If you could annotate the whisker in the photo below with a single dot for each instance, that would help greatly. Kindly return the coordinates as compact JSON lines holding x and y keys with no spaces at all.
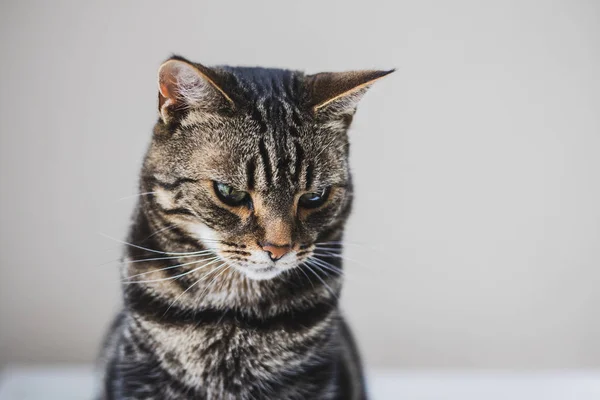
{"x":321,"y":270}
{"x":192,"y":285}
{"x":214,"y":279}
{"x":327,"y":251}
{"x":343,"y":242}
{"x":340,"y":244}
{"x":168,"y":228}
{"x":319,"y":278}
{"x":133,"y":261}
{"x":330,"y":254}
{"x":327,"y":266}
{"x":307,"y":277}
{"x":329,"y":247}
{"x":169,"y":253}
{"x":136,"y":195}
{"x":170,"y":258}
{"x":171,"y":267}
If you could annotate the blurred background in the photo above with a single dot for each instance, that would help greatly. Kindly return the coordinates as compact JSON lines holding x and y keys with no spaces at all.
{"x":476,"y":227}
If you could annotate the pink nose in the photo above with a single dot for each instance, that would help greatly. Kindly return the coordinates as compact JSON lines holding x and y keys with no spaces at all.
{"x":276,"y":251}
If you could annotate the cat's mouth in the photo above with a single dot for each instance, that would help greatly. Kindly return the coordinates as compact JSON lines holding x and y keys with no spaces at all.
{"x":261,"y":273}
{"x":259,"y":267}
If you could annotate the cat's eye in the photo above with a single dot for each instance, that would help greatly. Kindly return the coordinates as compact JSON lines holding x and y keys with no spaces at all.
{"x":313,"y":199}
{"x":230,"y":196}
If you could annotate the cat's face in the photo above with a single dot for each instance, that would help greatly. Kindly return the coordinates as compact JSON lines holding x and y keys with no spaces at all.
{"x":251,"y":163}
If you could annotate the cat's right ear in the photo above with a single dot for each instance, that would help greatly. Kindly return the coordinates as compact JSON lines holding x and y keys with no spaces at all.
{"x":183,"y":85}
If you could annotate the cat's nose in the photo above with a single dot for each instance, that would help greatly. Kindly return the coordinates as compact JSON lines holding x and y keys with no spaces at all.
{"x":276,"y":251}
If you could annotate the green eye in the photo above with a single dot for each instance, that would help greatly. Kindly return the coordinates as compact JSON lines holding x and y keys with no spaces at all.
{"x":229,"y":195}
{"x":313,"y":199}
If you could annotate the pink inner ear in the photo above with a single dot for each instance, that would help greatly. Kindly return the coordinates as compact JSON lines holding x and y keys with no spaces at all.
{"x":167,"y":82}
{"x":163,"y":95}
{"x":167,"y":86}
{"x":164,"y":90}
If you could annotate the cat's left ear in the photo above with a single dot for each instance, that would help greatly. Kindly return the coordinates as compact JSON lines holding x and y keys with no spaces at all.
{"x":338,"y":93}
{"x":185,"y":85}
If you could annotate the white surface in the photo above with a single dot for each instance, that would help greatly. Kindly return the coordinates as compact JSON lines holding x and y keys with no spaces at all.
{"x":77,"y":383}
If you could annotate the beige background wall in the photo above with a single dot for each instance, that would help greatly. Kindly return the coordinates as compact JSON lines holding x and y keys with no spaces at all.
{"x":477,"y":166}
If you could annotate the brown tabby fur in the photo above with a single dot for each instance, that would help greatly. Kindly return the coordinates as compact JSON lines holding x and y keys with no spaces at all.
{"x":208,"y":314}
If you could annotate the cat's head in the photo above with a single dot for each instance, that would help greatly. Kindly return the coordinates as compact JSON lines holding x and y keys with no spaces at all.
{"x":250,"y":162}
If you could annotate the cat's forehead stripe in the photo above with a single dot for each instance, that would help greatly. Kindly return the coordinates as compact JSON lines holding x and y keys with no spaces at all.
{"x":281,"y":164}
{"x":266,"y":162}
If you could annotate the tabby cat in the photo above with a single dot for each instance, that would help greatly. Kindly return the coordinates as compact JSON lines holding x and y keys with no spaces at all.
{"x":232,"y":272}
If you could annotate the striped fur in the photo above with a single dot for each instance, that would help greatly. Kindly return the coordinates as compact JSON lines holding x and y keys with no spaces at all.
{"x":207,"y":314}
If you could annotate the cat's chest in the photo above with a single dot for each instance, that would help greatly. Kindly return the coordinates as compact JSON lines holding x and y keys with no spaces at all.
{"x":214,"y":357}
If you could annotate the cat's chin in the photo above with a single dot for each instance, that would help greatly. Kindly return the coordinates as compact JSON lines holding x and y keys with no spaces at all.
{"x":261,"y":274}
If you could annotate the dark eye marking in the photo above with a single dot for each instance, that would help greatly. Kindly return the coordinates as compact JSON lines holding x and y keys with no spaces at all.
{"x":178,"y":211}
{"x":172,"y":185}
